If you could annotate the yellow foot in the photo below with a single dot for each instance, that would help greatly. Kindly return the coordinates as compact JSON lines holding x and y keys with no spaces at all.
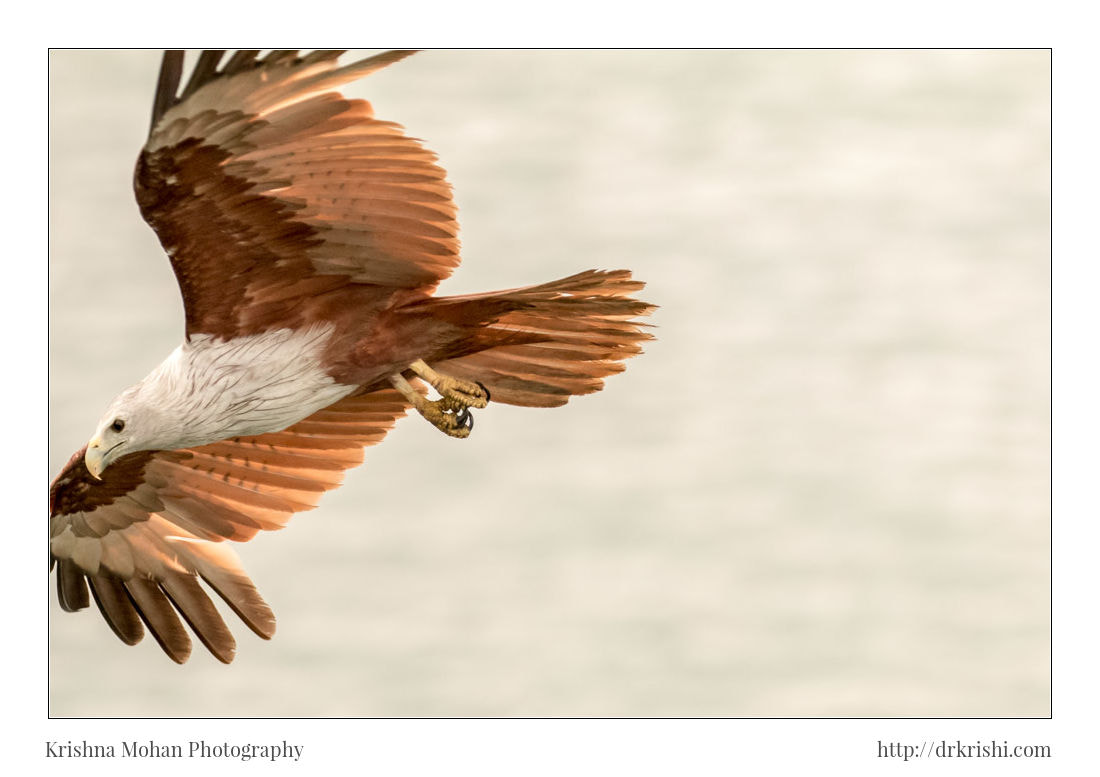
{"x":450,"y":414}
{"x":462,"y":392}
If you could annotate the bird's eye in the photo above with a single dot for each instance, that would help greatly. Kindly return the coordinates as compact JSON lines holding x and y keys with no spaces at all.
{"x":118,"y":425}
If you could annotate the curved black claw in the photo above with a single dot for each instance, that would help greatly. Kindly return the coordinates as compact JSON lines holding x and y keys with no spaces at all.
{"x":488,"y":396}
{"x":465,"y":419}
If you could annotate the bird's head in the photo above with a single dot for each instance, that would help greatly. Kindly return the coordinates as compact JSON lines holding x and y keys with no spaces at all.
{"x":130,"y":424}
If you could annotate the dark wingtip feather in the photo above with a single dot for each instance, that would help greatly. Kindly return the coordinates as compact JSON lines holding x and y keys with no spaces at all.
{"x":205,"y":69}
{"x":72,"y":590}
{"x":242,"y":60}
{"x":171,"y":70}
{"x":117,"y":609}
{"x":279,"y":56}
{"x":201,"y":615}
{"x":321,"y":55}
{"x":160,"y":617}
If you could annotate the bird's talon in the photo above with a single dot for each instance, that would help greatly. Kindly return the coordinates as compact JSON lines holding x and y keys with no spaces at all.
{"x":451,"y":412}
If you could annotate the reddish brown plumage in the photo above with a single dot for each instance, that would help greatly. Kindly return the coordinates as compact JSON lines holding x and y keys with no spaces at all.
{"x":282,"y":204}
{"x":228,"y":490}
{"x":312,"y":209}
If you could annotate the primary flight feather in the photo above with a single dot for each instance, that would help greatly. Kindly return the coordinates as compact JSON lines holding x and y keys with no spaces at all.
{"x":307,"y":238}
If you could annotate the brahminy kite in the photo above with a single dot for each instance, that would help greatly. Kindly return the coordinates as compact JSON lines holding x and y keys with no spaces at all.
{"x":307,"y":238}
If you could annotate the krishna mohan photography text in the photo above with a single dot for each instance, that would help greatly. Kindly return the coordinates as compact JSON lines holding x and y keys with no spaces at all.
{"x":194,"y":749}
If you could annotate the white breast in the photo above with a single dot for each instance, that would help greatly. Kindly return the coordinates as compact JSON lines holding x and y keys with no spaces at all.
{"x":216,"y":389}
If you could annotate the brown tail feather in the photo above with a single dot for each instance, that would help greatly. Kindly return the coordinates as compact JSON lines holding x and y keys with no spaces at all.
{"x":548,"y":342}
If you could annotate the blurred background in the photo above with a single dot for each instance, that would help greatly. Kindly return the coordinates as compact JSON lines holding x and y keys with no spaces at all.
{"x":822,"y":491}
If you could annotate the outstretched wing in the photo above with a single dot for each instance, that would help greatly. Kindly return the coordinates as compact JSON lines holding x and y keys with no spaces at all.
{"x":145,"y":535}
{"x":273,"y":195}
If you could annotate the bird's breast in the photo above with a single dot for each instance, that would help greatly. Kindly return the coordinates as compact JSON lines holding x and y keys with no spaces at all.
{"x":246,"y":385}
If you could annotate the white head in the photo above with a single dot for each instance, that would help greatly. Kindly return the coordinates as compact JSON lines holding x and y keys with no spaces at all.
{"x":132,"y":423}
{"x":210,"y":389}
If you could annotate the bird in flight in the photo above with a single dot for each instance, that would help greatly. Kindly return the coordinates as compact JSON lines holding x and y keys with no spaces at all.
{"x":307,"y":238}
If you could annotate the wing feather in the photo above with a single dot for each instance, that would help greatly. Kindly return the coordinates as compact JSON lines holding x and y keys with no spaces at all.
{"x":204,"y":70}
{"x":202,"y":616}
{"x":72,"y":591}
{"x":117,"y":608}
{"x":171,"y":69}
{"x":156,"y":610}
{"x":260,"y":176}
{"x":240,"y":61}
{"x":153,"y":528}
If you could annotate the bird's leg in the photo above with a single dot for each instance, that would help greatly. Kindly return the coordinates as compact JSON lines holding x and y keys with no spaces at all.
{"x":462,"y":392}
{"x":451,"y":413}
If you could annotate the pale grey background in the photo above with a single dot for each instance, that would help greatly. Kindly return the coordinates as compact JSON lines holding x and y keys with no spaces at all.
{"x":824,"y":490}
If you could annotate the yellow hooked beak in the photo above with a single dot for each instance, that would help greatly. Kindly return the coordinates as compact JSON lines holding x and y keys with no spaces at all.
{"x":93,"y":457}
